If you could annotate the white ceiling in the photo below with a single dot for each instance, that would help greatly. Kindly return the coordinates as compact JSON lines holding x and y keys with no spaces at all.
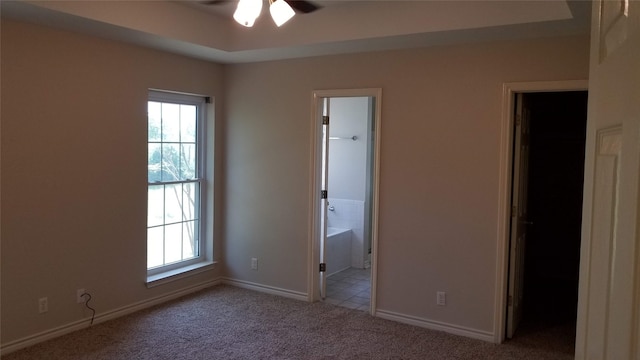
{"x":340,"y":26}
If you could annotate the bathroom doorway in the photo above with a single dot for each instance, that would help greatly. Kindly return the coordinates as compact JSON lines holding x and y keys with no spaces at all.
{"x":347,"y":146}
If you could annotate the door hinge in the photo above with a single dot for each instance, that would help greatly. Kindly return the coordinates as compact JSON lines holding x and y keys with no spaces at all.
{"x":510,"y":300}
{"x":325,"y":120}
{"x":518,"y":119}
{"x":514,"y":211}
{"x":323,"y":267}
{"x":323,"y":194}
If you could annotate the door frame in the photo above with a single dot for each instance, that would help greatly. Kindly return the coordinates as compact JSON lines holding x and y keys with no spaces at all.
{"x":313,"y":273}
{"x":505,"y":181}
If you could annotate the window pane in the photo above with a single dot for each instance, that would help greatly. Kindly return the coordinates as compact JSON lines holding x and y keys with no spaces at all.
{"x":173,"y":224}
{"x":173,"y":243}
{"x":173,"y":203}
{"x":188,"y":123}
{"x":188,"y":161}
{"x":170,"y":122}
{"x":189,"y":201}
{"x":155,"y":211}
{"x":154,"y":161}
{"x":189,"y":239}
{"x":155,"y":205}
{"x":154,"y":115}
{"x":170,"y":162}
{"x":155,"y":248}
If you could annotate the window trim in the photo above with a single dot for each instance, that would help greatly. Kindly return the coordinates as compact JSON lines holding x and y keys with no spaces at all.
{"x":204,"y":156}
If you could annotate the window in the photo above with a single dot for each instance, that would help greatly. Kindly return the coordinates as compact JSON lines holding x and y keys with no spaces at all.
{"x":176,"y":182}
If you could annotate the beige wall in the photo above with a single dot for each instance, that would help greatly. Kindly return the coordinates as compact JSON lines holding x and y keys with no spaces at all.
{"x":439,"y":167}
{"x":73,"y":171}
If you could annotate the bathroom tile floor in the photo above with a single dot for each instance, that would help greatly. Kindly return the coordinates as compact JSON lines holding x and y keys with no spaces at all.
{"x":350,"y":288}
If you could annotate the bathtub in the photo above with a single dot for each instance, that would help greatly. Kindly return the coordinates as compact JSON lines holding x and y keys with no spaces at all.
{"x":337,"y":250}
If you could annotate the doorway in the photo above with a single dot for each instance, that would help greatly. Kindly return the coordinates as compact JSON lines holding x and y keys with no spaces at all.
{"x":345,"y":196}
{"x":543,"y":286}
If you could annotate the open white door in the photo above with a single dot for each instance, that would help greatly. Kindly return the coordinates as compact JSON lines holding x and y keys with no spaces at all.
{"x":519,"y":220}
{"x":609,"y":296}
{"x":324,"y":203}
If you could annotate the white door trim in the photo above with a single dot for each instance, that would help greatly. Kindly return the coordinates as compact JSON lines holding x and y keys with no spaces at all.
{"x":315,"y":183}
{"x":504,"y":186}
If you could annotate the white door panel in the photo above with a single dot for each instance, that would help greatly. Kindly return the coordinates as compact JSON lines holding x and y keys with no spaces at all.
{"x":519,"y":218}
{"x":609,"y":295}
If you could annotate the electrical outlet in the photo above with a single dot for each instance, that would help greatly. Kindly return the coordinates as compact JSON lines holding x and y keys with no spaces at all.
{"x":441,"y":298}
{"x":254,"y":263}
{"x":79,"y":298}
{"x":43,"y":305}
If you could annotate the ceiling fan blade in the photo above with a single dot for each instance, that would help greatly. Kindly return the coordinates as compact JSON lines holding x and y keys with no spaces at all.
{"x":302,"y":6}
{"x":213,"y":2}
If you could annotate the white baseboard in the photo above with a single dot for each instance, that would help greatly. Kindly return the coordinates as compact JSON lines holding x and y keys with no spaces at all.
{"x":266,"y":289}
{"x":109,"y":315}
{"x":126,"y":310}
{"x":436,"y":325}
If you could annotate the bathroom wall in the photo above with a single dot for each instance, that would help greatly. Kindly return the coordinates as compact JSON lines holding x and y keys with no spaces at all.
{"x":348,"y":171}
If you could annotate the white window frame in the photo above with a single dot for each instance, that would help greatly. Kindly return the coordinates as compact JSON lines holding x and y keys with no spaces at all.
{"x":204,"y":151}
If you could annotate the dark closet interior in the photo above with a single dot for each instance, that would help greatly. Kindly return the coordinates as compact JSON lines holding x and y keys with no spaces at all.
{"x":556,"y":176}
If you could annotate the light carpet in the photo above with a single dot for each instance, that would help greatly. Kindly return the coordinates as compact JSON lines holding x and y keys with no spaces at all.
{"x":226,"y":322}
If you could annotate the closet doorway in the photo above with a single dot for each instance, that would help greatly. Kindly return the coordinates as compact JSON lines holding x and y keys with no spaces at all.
{"x":548,"y":170}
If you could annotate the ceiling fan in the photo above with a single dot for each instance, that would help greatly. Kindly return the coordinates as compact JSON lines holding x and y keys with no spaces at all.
{"x":281,"y":10}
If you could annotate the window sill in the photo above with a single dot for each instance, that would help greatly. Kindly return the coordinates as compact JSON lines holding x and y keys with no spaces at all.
{"x":177,"y":274}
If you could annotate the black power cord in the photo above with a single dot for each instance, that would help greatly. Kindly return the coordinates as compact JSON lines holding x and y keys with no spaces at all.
{"x":86,"y":303}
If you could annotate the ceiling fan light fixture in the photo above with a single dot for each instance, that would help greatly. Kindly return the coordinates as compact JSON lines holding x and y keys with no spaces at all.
{"x":281,"y":12}
{"x":247,"y":12}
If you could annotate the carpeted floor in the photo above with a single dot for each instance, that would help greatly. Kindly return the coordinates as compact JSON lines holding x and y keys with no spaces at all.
{"x":225,"y":322}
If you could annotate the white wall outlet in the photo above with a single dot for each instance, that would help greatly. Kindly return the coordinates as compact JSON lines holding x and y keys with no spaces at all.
{"x":441,"y":298}
{"x":79,"y":298}
{"x":43,"y":305}
{"x":254,"y":263}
